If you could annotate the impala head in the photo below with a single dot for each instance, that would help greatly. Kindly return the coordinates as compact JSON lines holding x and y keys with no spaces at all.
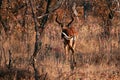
{"x":68,"y":31}
{"x":64,"y":25}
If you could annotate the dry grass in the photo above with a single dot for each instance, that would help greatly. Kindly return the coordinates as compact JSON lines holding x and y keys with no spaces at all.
{"x":97,"y":57}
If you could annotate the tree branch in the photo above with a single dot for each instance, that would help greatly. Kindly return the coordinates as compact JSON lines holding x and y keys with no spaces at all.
{"x":52,"y":9}
{"x":75,"y":11}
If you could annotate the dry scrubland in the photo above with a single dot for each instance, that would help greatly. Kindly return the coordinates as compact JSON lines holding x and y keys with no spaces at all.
{"x":98,"y":57}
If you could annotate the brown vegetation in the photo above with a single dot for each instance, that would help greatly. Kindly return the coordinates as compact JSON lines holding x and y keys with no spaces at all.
{"x":28,"y":30}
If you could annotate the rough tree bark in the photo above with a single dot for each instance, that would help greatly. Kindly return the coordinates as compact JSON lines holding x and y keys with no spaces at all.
{"x":44,"y":18}
{"x":37,"y":28}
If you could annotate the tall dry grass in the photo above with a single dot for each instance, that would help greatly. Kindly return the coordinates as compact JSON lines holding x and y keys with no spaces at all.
{"x":97,"y":56}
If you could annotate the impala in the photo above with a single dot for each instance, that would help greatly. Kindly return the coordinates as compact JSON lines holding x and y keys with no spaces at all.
{"x":69,"y":34}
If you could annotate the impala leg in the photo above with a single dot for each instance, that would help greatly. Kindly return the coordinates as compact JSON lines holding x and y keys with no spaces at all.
{"x":72,"y":47}
{"x":66,"y":52}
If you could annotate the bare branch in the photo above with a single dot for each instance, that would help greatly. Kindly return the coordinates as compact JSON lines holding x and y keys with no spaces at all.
{"x":52,"y":9}
{"x":75,"y":11}
{"x":58,"y":4}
